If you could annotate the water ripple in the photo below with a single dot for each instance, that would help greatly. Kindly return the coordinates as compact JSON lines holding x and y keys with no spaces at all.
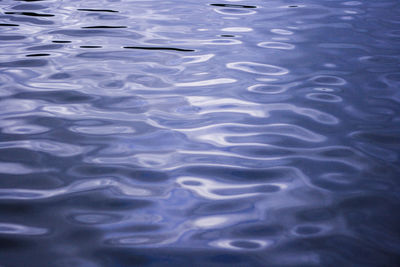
{"x":257,"y":68}
{"x":95,"y":184}
{"x":15,"y":229}
{"x":157,"y":133}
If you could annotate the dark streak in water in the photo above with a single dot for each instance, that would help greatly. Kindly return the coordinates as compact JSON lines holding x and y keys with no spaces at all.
{"x":97,"y":10}
{"x":90,"y":46}
{"x":38,"y":55}
{"x":33,"y":14}
{"x":8,"y":25}
{"x":234,"y":6}
{"x":159,"y":48}
{"x":61,"y":42}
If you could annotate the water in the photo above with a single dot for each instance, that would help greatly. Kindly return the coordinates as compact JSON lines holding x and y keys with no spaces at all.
{"x":199,"y":133}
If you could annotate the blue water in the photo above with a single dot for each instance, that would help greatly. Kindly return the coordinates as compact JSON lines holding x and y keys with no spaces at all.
{"x":199,"y":133}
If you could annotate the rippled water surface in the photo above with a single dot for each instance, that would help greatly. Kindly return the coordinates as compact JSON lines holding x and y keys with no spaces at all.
{"x":199,"y":133}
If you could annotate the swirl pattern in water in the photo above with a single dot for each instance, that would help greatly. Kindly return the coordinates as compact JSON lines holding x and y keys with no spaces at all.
{"x":199,"y":133}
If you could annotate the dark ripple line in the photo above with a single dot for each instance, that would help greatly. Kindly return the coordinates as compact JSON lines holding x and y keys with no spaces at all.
{"x":90,"y":46}
{"x":38,"y":55}
{"x":61,"y":42}
{"x":159,"y":48}
{"x":97,"y":10}
{"x":33,"y":14}
{"x":9,"y":25}
{"x":231,"y":5}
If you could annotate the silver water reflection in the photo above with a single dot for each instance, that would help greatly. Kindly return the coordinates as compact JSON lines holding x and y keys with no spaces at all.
{"x":232,"y":133}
